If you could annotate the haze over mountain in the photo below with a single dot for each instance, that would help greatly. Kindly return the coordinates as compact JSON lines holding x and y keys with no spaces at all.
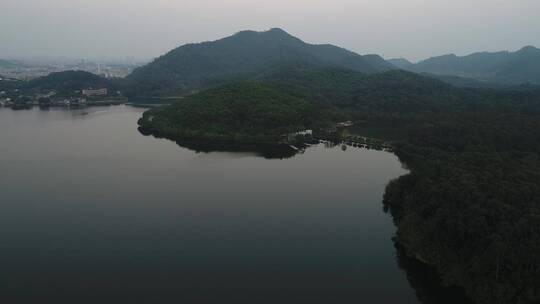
{"x":7,"y":64}
{"x":67,"y":82}
{"x":241,"y":56}
{"x":401,"y":63}
{"x":510,"y":68}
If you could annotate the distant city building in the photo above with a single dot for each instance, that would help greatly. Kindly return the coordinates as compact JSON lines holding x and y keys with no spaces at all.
{"x":99,"y":92}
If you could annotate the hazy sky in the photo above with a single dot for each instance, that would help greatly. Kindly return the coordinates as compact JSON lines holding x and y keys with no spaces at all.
{"x":144,"y":29}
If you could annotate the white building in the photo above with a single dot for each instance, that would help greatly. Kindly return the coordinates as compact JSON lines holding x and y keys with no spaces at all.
{"x":98,"y":92}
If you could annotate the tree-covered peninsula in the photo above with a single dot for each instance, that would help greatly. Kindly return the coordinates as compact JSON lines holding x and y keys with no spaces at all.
{"x":246,"y":112}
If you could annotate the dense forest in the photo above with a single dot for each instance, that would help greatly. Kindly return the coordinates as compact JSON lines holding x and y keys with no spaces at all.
{"x":293,"y":99}
{"x":470,"y":206}
{"x":395,"y":93}
{"x":336,"y":94}
{"x":246,"y":112}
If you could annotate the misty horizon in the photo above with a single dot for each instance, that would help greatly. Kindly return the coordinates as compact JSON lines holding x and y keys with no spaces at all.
{"x":131,"y":59}
{"x":141,"y":31}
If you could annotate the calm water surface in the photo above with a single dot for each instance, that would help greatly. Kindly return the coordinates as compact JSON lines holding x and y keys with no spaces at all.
{"x":92,"y":211}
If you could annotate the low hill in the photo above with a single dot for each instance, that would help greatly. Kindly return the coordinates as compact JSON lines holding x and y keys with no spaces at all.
{"x":396,"y":91}
{"x":293,"y":99}
{"x":238,"y":57}
{"x":508,"y":68}
{"x":264,"y":108}
{"x":67,"y":82}
{"x":242,"y":112}
{"x":464,"y":82}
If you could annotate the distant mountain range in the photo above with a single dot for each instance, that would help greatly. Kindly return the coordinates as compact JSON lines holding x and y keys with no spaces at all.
{"x":504,"y":68}
{"x":250,"y":55}
{"x":241,"y":56}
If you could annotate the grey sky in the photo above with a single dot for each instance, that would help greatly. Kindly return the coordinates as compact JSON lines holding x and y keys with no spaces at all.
{"x":143,"y":29}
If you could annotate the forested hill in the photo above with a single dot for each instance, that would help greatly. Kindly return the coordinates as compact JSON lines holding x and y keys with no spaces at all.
{"x":243,"y":55}
{"x":67,"y":82}
{"x":245,"y":112}
{"x":396,"y":91}
{"x":280,"y":102}
{"x":393,"y":90}
{"x":507,"y":68}
{"x":470,"y":206}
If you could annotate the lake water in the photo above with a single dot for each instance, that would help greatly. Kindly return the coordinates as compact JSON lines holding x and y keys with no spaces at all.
{"x":93,"y":211}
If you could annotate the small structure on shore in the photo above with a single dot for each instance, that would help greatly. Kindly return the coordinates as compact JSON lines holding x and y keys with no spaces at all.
{"x":345,"y":124}
{"x":98,"y":92}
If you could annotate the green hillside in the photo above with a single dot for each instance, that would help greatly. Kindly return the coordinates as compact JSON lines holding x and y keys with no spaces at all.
{"x":239,"y":57}
{"x":67,"y":82}
{"x":241,"y":112}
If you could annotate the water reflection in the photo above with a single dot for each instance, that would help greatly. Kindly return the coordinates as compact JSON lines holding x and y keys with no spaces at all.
{"x":268,"y":151}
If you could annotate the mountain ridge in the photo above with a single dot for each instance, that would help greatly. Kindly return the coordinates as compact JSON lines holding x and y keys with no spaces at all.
{"x":503,"y":67}
{"x":194,"y":66}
